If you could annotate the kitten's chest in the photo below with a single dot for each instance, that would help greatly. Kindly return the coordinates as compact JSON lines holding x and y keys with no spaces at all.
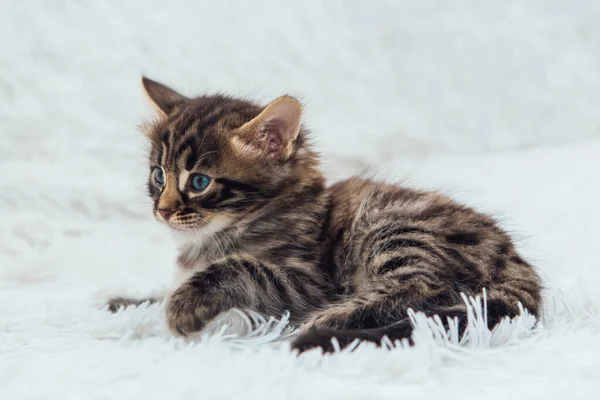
{"x":188,"y":266}
{"x":196,"y":257}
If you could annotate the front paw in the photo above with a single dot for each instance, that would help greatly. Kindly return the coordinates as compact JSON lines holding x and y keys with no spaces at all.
{"x":116,"y":303}
{"x":189,"y":311}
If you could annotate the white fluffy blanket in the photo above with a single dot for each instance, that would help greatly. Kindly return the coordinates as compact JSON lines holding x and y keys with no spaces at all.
{"x":493,"y":103}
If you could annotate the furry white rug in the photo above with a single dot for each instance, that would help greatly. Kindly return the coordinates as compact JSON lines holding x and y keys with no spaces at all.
{"x":467,"y":97}
{"x":59,"y":267}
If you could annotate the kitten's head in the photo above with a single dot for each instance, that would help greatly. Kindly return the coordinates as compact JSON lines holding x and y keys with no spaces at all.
{"x":215,"y":159}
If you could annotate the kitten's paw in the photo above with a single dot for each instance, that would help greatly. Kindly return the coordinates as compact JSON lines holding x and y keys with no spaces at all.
{"x":116,"y":303}
{"x":188,"y":311}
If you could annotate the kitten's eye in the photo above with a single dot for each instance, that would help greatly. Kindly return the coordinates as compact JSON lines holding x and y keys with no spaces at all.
{"x":199,"y":182}
{"x":158,"y":175}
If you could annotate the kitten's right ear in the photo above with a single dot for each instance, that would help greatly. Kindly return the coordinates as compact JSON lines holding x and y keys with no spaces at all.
{"x":162,"y":97}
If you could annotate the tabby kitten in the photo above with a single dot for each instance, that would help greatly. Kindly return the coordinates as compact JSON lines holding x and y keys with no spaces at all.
{"x":241,"y":184}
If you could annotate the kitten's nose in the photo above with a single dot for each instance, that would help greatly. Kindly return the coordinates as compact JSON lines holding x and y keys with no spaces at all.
{"x":165,"y":212}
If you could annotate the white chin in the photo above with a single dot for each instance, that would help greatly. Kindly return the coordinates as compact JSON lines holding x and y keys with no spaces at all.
{"x":182,"y":230}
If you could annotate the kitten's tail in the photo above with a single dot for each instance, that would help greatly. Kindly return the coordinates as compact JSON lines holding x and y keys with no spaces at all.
{"x":497,"y":310}
{"x":322,"y":337}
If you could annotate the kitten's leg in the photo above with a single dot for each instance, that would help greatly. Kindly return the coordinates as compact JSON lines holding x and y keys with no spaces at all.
{"x":117,"y":303}
{"x":401,"y":270}
{"x":241,"y":283}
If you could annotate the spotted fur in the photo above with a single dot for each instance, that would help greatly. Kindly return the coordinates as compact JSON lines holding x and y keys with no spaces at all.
{"x":346,"y":260}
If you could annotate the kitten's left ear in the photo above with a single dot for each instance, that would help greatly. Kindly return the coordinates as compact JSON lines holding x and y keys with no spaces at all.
{"x":275,"y":129}
{"x":162,"y":97}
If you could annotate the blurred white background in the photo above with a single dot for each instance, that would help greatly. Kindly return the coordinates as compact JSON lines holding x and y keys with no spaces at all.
{"x":378,"y":78}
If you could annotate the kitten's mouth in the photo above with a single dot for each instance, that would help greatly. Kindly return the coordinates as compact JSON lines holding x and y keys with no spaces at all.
{"x":173,"y":225}
{"x":172,"y":222}
{"x":194,"y":226}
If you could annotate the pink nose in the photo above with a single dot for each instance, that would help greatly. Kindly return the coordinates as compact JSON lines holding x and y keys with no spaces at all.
{"x":165,"y":212}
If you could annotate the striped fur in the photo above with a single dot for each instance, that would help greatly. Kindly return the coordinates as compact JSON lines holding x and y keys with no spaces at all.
{"x":346,"y":260}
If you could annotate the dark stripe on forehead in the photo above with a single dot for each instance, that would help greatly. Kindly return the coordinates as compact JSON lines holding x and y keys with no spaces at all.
{"x":163,"y":152}
{"x":192,"y":133}
{"x":190,"y":160}
{"x":159,"y":154}
{"x":211,"y":119}
{"x":188,"y":143}
{"x":169,"y":146}
{"x":192,"y":124}
{"x":236,"y":185}
{"x":182,"y":122}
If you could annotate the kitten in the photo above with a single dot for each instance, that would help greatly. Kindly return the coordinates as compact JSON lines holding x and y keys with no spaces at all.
{"x":242,"y":184}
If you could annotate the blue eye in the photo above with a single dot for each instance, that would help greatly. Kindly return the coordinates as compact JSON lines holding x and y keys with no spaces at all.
{"x":199,"y":182}
{"x":158,"y":175}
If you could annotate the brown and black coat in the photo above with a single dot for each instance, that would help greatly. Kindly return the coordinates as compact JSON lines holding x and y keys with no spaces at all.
{"x":268,"y":234}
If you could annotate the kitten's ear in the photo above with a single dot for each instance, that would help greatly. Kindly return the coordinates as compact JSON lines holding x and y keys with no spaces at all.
{"x":275,"y":129}
{"x":162,"y":97}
